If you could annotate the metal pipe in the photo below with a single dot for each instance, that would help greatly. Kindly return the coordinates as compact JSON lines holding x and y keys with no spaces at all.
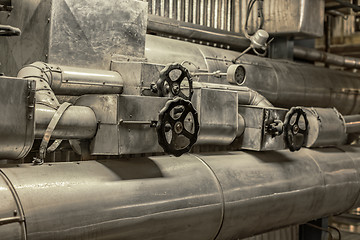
{"x":354,"y":7}
{"x":76,"y":81}
{"x":329,"y":58}
{"x":211,"y":196}
{"x":285,"y":84}
{"x":246,"y":96}
{"x":202,"y":33}
{"x":352,"y":123}
{"x":77,"y":122}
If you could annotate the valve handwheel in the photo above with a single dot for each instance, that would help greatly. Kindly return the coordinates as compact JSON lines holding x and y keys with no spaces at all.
{"x":296,"y":128}
{"x":178,"y":127}
{"x":174,"y":84}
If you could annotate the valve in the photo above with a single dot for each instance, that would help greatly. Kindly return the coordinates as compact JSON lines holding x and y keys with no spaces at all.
{"x":296,"y":128}
{"x":178,"y":127}
{"x":169,"y":83}
{"x":276,"y":128}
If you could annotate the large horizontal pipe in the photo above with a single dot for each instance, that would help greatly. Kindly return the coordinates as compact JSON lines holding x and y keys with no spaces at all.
{"x":329,"y":58}
{"x":77,"y":122}
{"x":191,"y":31}
{"x":211,"y":196}
{"x":284,"y":84}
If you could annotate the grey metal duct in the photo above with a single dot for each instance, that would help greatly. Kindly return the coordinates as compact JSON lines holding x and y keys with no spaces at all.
{"x":77,"y":122}
{"x":222,"y":195}
{"x":329,"y":58}
{"x":283,"y":83}
{"x":75,"y":81}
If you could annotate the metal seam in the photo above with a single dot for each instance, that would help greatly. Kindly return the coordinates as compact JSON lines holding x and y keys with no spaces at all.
{"x":220,"y":189}
{"x":18,"y":203}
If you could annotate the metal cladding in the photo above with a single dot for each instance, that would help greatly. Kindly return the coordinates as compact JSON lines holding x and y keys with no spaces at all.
{"x":283,"y":83}
{"x":209,"y":196}
{"x":17,"y":117}
{"x":88,"y":33}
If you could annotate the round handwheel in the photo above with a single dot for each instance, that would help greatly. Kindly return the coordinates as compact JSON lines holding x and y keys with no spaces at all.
{"x":178,"y":127}
{"x":296,"y":129}
{"x":170,"y":81}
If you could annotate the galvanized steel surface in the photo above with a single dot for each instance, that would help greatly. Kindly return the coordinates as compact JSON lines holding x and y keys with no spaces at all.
{"x":283,"y":83}
{"x":88,"y":33}
{"x":225,"y":195}
{"x":17,"y":104}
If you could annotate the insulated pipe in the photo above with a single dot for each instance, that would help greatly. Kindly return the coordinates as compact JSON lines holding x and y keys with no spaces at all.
{"x":285,"y":84}
{"x":352,"y":123}
{"x":329,"y":58}
{"x":246,"y":96}
{"x":76,"y":81}
{"x":211,"y":196}
{"x":190,"y":31}
{"x":77,"y":123}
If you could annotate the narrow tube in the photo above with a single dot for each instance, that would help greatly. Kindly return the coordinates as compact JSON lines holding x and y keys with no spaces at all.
{"x":319,"y":56}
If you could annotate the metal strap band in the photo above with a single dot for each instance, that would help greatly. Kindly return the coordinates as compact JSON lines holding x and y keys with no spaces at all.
{"x":54,"y":121}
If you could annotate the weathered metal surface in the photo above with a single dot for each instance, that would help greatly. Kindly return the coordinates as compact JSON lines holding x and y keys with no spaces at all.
{"x":284,"y":84}
{"x":67,"y":32}
{"x":17,"y":117}
{"x":124,"y":123}
{"x":138,"y":76}
{"x":218,"y":116}
{"x":216,"y":195}
{"x":326,"y":127}
{"x":298,"y":18}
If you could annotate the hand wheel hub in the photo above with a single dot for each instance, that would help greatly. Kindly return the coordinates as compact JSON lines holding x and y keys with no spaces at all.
{"x":178,"y":127}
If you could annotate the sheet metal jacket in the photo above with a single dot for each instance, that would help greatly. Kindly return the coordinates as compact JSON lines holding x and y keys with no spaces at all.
{"x":283,"y":83}
{"x":222,"y":195}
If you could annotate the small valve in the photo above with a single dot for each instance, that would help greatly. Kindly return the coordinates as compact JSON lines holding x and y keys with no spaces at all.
{"x":276,"y":128}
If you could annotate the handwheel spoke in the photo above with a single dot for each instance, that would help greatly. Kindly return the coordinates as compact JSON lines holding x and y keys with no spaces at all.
{"x":301,"y":131}
{"x":171,"y":120}
{"x":183,"y":115}
{"x":297,"y":118}
{"x":181,"y":77}
{"x":187,"y":134}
